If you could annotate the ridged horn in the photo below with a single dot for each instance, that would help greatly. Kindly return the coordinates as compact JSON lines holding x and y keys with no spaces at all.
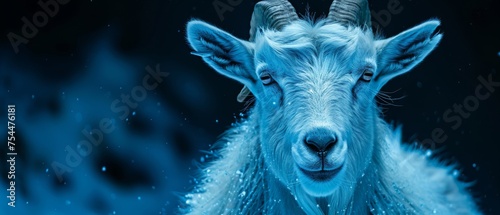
{"x":272,"y":14}
{"x":350,"y":12}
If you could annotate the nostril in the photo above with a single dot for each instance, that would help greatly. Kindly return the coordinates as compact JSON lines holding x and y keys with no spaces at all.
{"x":312,"y":145}
{"x":331,"y":143}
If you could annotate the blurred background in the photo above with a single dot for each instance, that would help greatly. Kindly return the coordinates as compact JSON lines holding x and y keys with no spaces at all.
{"x":75,"y":77}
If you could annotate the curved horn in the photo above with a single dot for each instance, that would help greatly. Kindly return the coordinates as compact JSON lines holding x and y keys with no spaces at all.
{"x":350,"y":12}
{"x":273,"y":14}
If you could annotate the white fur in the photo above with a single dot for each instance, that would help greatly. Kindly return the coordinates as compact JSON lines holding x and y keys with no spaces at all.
{"x":399,"y":180}
{"x":316,"y":70}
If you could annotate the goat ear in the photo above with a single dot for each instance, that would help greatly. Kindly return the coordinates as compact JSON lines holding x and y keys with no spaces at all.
{"x":399,"y":54}
{"x":225,"y":53}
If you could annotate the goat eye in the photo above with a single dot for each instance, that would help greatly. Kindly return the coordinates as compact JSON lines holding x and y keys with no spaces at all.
{"x":266,"y":78}
{"x":367,"y":76}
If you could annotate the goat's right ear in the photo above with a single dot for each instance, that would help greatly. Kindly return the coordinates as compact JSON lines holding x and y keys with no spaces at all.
{"x":225,"y":53}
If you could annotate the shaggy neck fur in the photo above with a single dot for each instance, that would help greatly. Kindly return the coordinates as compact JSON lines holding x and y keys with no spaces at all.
{"x":240,"y":182}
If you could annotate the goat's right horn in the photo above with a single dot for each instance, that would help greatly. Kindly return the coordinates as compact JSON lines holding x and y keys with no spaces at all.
{"x":272,"y":14}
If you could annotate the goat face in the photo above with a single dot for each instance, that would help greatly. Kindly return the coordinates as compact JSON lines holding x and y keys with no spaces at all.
{"x":315,"y":98}
{"x":314,"y":85}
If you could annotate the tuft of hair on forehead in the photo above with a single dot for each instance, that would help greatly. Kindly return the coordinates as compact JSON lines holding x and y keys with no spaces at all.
{"x":307,"y":40}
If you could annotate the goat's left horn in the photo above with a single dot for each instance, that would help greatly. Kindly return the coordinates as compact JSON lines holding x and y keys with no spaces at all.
{"x":272,"y":14}
{"x":350,"y":12}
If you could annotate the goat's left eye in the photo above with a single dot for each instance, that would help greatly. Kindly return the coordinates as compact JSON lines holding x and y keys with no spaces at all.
{"x":367,"y":76}
{"x":266,"y":78}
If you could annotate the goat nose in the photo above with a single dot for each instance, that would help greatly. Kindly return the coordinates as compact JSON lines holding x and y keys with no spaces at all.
{"x":320,"y":140}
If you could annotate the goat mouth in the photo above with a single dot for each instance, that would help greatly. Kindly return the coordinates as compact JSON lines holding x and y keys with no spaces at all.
{"x":321,"y":175}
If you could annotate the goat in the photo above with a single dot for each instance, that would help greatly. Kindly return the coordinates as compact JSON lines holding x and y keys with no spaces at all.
{"x":314,"y":141}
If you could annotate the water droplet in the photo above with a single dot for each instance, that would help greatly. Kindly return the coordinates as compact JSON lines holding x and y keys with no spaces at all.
{"x":498,"y":54}
{"x":474,"y":165}
{"x":47,"y":170}
{"x":317,"y":205}
{"x":103,"y":169}
{"x":274,"y":103}
{"x":434,"y":211}
{"x":139,"y":198}
{"x":216,"y":121}
{"x":428,"y":153}
{"x":68,"y":202}
{"x":202,"y":159}
{"x":456,"y":173}
{"x":133,"y":113}
{"x":32,"y":96}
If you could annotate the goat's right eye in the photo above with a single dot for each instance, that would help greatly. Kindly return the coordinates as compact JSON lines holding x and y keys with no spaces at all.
{"x":266,"y":78}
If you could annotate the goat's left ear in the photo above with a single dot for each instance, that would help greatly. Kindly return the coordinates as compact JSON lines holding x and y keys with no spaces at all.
{"x":399,"y":54}
{"x":225,"y":53}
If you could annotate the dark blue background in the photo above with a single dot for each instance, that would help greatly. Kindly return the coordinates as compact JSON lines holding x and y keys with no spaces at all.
{"x":66,"y":78}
